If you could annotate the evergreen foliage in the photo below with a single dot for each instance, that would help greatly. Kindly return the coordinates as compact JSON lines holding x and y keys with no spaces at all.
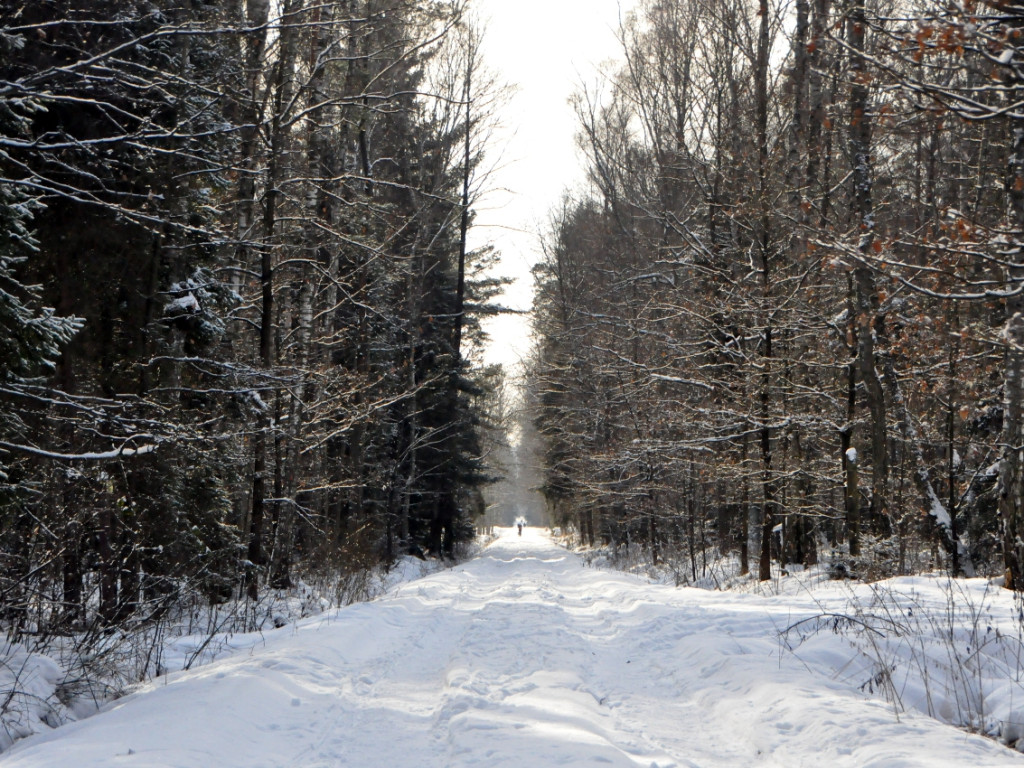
{"x":246,"y":218}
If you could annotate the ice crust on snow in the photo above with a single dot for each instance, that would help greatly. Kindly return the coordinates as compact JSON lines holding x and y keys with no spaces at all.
{"x":525,"y":657}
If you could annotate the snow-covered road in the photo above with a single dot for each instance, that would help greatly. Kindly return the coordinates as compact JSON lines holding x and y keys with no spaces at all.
{"x":521,"y":657}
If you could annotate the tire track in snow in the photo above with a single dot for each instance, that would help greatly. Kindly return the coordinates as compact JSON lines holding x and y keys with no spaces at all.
{"x":523,"y":676}
{"x":352,"y":711}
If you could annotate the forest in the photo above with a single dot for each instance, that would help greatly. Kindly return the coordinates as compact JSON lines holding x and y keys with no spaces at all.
{"x":784,"y":321}
{"x":778,"y":331}
{"x":238,"y":306}
{"x":780,"y":325}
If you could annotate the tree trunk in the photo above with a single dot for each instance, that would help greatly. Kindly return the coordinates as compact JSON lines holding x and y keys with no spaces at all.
{"x":268,"y":353}
{"x":852,"y":501}
{"x":106,"y":534}
{"x":249,"y":116}
{"x":744,"y":512}
{"x":763,"y":232}
{"x":867,"y":303}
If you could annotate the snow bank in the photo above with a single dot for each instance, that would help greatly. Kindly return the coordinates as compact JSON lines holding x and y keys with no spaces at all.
{"x":28,"y":684}
{"x":949,"y":649}
{"x":39,"y":693}
{"x":35,"y":695}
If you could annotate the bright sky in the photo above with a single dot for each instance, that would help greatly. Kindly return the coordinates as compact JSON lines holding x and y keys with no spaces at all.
{"x":544,"y":49}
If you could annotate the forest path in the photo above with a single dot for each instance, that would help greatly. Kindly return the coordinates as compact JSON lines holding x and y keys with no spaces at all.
{"x":521,"y":657}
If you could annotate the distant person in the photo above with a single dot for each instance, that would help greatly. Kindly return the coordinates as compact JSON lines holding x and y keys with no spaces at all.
{"x":520,"y":527}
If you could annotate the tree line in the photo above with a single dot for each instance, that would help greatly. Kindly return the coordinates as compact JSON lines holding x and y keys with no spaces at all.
{"x":784,"y":321}
{"x":237,"y":302}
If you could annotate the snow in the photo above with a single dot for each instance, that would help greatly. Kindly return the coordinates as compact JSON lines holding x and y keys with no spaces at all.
{"x":937,"y":509}
{"x":184,"y":305}
{"x":851,"y":455}
{"x":28,"y":681}
{"x":525,"y":656}
{"x":116,"y":453}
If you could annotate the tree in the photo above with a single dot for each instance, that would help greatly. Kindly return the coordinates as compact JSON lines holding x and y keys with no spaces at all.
{"x":776,"y":257}
{"x":258,"y":211}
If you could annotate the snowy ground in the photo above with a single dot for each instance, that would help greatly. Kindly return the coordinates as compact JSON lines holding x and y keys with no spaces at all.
{"x":524,"y":657}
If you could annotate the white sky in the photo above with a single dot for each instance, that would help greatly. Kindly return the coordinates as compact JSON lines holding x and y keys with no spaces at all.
{"x":544,"y":49}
